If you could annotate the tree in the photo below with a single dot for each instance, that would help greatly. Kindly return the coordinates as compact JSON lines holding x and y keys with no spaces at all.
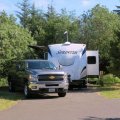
{"x":23,"y":15}
{"x":57,"y":24}
{"x":36,"y":25}
{"x":14,"y":41}
{"x":86,"y":29}
{"x":98,"y":28}
{"x":118,"y":10}
{"x":115,"y":55}
{"x":48,"y":28}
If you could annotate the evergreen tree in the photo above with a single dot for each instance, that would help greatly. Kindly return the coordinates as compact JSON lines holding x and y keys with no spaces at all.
{"x":24,"y":13}
{"x":118,"y":10}
{"x":36,"y":24}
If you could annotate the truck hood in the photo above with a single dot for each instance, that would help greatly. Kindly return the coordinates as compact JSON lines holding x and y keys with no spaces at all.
{"x":46,"y":71}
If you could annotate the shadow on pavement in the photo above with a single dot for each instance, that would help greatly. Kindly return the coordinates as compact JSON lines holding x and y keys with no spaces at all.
{"x":43,"y":96}
{"x":18,"y":95}
{"x":96,"y":118}
{"x":92,"y":88}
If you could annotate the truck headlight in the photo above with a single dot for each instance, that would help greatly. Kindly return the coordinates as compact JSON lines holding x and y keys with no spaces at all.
{"x":33,"y":78}
{"x":65,"y":78}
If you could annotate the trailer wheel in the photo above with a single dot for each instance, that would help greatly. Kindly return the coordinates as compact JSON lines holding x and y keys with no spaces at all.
{"x":84,"y":85}
{"x":70,"y":87}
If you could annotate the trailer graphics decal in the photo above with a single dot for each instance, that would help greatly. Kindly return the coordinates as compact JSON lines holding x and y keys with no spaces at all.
{"x":49,"y":51}
{"x":84,"y":51}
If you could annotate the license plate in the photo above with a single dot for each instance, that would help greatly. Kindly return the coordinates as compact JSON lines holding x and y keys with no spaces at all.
{"x":52,"y":90}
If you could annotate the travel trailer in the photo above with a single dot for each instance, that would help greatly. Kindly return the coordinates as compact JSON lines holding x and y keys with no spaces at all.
{"x":76,"y":61}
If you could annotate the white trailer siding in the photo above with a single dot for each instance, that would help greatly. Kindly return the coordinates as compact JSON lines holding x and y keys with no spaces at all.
{"x":72,"y":58}
{"x":92,"y":63}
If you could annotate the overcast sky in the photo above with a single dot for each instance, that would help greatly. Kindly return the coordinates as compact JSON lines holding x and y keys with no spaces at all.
{"x":78,"y":5}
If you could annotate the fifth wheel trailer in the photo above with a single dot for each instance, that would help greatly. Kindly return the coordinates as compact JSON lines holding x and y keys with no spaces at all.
{"x":76,"y":61}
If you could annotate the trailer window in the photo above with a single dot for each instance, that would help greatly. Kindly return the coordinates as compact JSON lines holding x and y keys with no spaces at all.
{"x":91,"y":60}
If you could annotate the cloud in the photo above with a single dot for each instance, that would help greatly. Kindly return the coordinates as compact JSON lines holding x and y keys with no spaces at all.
{"x":86,"y":2}
{"x":3,"y":7}
{"x":41,"y":3}
{"x":8,"y":7}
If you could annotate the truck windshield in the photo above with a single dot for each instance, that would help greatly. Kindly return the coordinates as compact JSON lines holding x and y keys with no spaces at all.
{"x":40,"y":65}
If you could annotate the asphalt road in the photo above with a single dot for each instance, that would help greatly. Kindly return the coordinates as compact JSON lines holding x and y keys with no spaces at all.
{"x":77,"y":105}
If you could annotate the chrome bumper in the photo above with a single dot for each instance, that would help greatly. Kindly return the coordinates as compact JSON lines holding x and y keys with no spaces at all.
{"x":36,"y":86}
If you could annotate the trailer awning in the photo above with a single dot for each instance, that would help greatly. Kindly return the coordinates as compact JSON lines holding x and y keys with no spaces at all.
{"x":37,"y":47}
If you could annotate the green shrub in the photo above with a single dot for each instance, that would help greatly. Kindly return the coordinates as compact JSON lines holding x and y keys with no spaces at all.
{"x":110,"y":79}
{"x":117,"y":80}
{"x":3,"y":82}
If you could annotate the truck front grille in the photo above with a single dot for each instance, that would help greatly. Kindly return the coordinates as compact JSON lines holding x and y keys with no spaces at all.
{"x":52,"y":85}
{"x":51,"y":77}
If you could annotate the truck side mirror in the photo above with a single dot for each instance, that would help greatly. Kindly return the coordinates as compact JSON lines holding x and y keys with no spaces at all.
{"x":60,"y":67}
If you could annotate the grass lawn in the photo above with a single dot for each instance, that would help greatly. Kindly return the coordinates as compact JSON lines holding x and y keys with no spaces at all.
{"x":8,"y":99}
{"x":110,"y":92}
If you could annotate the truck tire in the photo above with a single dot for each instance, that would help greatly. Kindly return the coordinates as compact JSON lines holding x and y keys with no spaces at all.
{"x":62,"y":94}
{"x":11,"y":87}
{"x":26,"y":91}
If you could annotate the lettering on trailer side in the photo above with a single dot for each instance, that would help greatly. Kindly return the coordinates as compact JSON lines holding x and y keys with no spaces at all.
{"x":67,"y":52}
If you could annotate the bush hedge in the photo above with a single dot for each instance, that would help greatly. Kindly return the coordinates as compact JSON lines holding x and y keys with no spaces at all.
{"x":3,"y":82}
{"x":110,"y":79}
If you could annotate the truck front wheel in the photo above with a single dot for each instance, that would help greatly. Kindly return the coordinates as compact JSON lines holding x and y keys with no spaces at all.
{"x":62,"y":94}
{"x":26,"y":91}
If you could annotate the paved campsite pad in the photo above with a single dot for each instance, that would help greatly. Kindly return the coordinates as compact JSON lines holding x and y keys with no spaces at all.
{"x":84,"y":104}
